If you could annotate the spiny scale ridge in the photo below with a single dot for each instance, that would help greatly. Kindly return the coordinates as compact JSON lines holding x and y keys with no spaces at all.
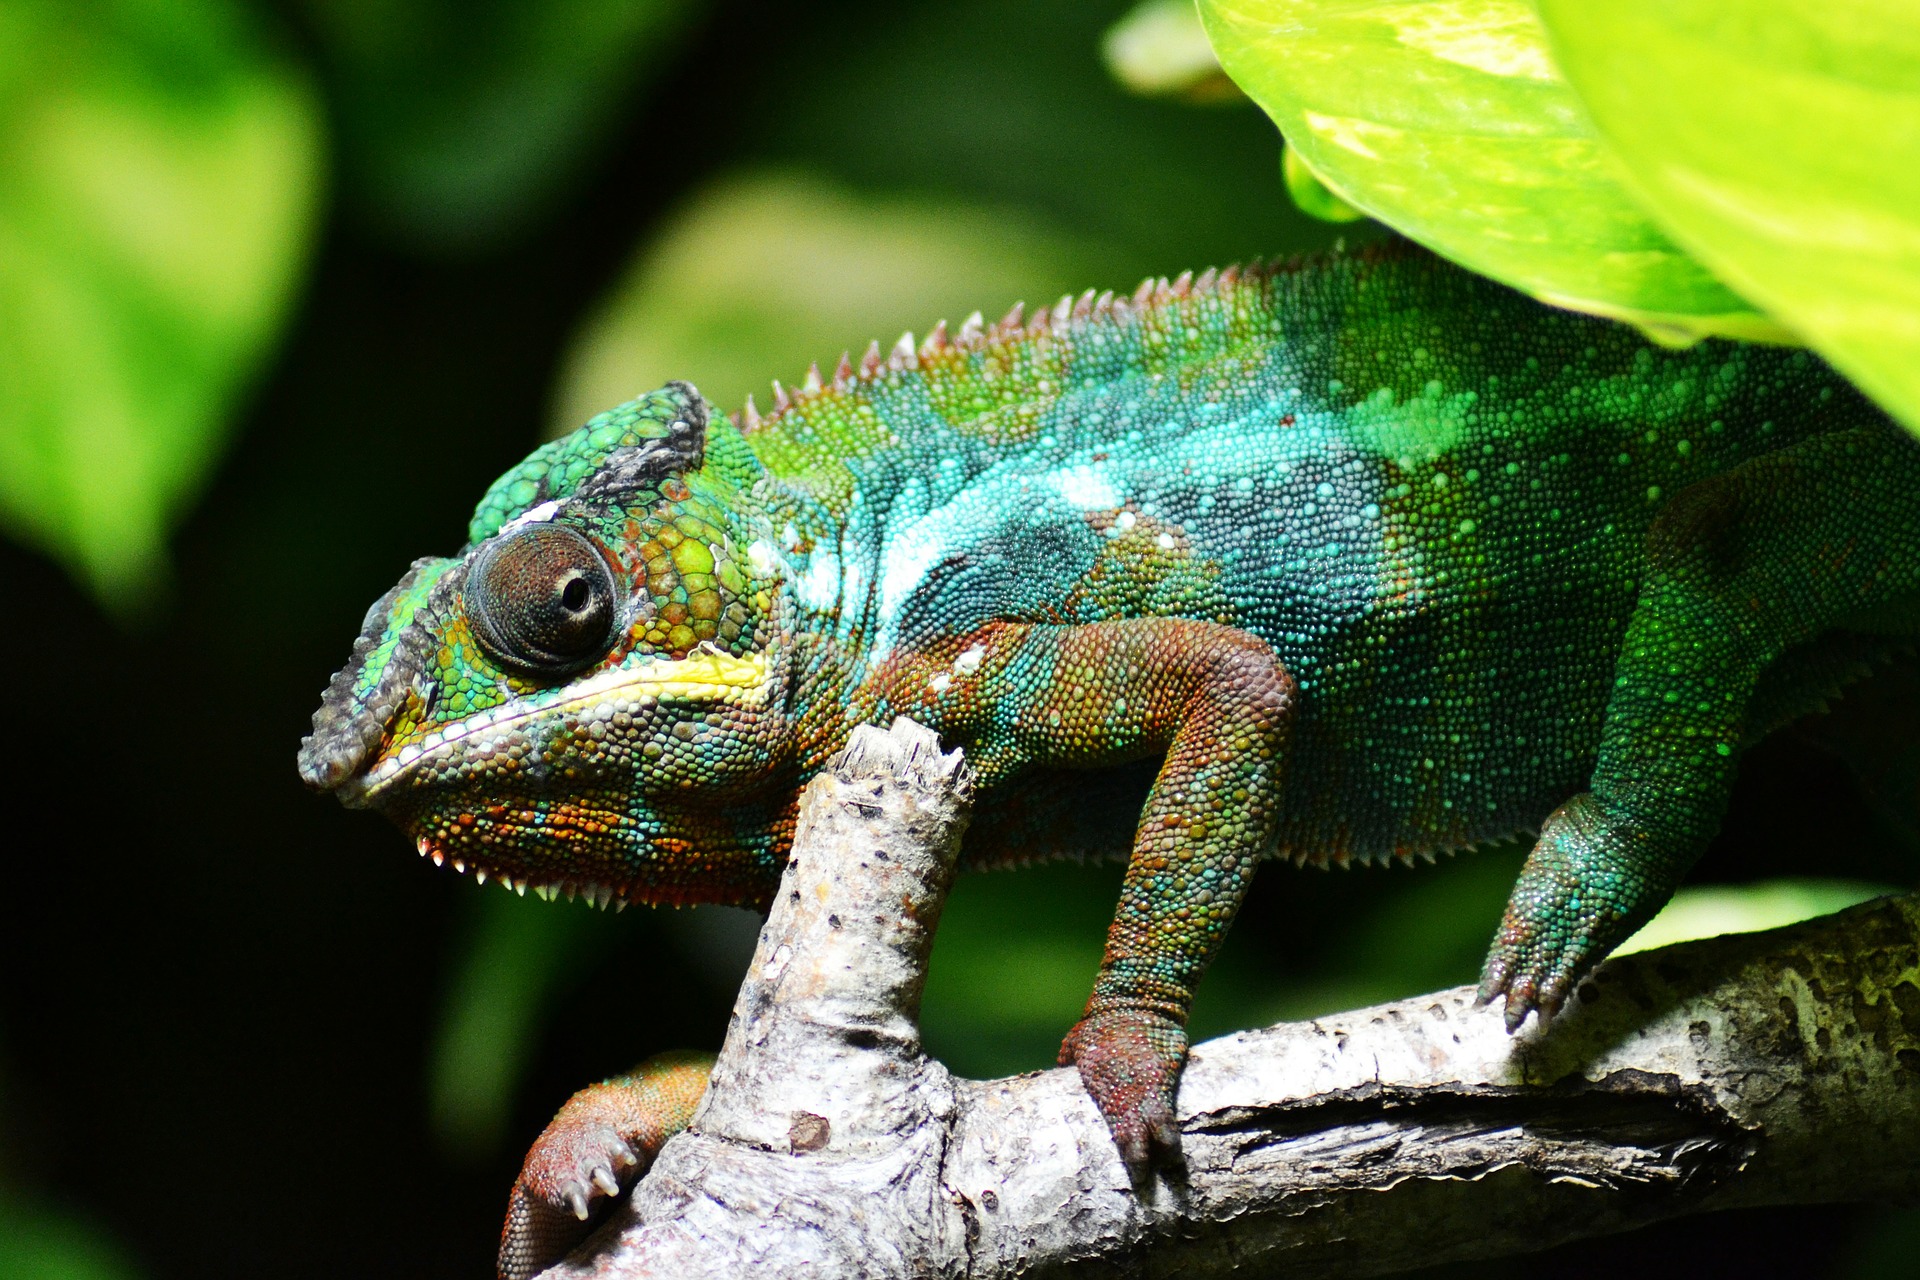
{"x":1068,"y":314}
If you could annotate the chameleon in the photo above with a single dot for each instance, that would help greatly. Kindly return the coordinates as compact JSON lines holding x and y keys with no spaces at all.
{"x":1345,"y":558}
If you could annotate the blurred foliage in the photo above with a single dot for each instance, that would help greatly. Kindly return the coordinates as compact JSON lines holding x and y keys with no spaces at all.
{"x":1160,"y":49}
{"x":461,"y":121}
{"x":516,"y":960}
{"x":1779,"y":141}
{"x":1707,"y":911}
{"x":1017,"y":953}
{"x":38,"y":1243}
{"x":516,"y":957}
{"x":159,"y":173}
{"x":1006,"y":104}
{"x":1448,"y":121}
{"x":761,"y":273}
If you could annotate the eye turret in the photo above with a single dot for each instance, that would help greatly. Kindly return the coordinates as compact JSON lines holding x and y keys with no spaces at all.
{"x":542,"y":600}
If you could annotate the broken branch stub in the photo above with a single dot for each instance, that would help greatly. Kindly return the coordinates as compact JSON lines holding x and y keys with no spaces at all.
{"x":819,"y":1145}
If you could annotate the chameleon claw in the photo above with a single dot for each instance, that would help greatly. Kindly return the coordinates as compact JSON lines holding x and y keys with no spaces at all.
{"x":577,"y":1201}
{"x":603,"y":1179}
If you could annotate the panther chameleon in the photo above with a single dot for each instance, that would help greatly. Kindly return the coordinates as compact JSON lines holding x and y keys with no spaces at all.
{"x":1347,"y":558}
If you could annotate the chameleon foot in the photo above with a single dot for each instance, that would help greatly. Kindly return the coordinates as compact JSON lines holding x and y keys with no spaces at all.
{"x":1129,"y":1061}
{"x":596,"y":1146}
{"x":1588,"y":884}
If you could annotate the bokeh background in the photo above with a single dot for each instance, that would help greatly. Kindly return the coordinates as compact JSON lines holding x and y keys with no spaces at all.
{"x":283,"y":286}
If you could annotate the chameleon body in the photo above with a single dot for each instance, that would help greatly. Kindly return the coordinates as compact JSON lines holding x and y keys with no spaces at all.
{"x":1348,"y":559}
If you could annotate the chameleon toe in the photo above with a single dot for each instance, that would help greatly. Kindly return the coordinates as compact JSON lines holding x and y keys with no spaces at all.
{"x":594,"y":1149}
{"x":1130,"y":1061}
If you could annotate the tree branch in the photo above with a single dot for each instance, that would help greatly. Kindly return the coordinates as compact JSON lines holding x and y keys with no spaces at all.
{"x":1772,"y":1068}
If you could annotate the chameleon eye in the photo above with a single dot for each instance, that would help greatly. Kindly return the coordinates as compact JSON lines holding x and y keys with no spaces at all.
{"x":542,"y":600}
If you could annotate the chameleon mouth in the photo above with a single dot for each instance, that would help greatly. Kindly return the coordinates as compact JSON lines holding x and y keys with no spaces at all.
{"x":704,"y":676}
{"x":599,"y":893}
{"x":596,"y":853}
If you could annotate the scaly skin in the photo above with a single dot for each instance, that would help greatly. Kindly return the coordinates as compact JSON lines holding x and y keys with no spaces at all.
{"x":607,"y":1134}
{"x":1349,"y":559}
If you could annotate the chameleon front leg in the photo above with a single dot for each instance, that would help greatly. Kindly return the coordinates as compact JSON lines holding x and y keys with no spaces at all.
{"x":601,"y":1139}
{"x":1742,"y":568}
{"x":1217,"y":702}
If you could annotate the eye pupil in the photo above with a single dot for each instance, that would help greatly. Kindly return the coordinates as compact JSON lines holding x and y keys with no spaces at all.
{"x":542,"y":599}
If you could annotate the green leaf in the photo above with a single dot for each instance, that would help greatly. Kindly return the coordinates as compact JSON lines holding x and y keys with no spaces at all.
{"x":159,"y":174}
{"x":462,"y":120}
{"x":1310,"y":192}
{"x":764,"y":272}
{"x":1779,"y":140}
{"x":1448,"y":121}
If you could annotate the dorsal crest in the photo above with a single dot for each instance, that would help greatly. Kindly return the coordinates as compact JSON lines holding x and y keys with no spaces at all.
{"x":1158,"y":301}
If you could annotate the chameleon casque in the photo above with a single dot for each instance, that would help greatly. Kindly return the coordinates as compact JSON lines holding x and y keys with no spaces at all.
{"x":1344,"y":559}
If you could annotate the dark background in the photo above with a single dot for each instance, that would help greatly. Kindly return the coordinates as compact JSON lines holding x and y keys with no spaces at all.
{"x":231,"y":1026}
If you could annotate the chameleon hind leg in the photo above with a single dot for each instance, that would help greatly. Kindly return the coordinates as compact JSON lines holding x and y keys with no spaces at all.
{"x":600,"y":1141}
{"x":1215,"y":700}
{"x":1745,"y":571}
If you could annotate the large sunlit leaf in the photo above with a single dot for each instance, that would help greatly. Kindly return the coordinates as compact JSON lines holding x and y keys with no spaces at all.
{"x":1779,"y":140}
{"x":158,"y":179}
{"x":460,"y":120}
{"x":1447,"y":120}
{"x":763,"y":273}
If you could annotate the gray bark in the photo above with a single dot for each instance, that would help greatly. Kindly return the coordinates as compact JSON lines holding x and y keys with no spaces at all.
{"x":1772,"y":1068}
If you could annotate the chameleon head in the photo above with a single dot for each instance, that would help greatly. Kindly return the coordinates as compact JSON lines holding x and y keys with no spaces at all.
{"x":591,"y":693}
